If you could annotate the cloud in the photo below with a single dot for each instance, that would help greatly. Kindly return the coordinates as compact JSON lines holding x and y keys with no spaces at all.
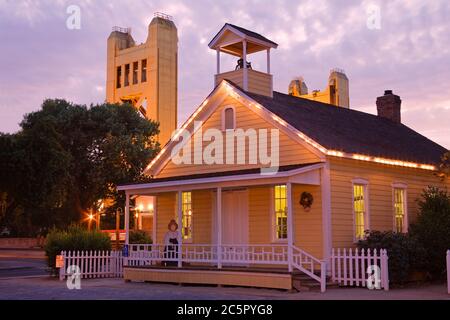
{"x":410,"y":53}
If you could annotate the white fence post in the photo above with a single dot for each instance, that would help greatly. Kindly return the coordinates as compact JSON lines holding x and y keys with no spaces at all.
{"x":448,"y":271}
{"x":384,"y":270}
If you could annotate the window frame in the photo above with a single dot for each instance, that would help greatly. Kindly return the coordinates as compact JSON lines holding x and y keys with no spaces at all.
{"x":404,"y":187}
{"x":223,"y":119}
{"x":144,"y":70}
{"x":365,"y":184}
{"x":126,"y":74}
{"x":135,"y":72}
{"x":118,"y":77}
{"x":190,"y":239}
{"x":273,"y":216}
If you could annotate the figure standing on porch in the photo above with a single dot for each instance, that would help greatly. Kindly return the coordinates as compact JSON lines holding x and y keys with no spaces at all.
{"x":171,"y":241}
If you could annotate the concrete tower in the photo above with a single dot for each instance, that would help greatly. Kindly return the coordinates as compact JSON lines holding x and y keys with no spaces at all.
{"x":146,"y":75}
{"x":336,"y":93}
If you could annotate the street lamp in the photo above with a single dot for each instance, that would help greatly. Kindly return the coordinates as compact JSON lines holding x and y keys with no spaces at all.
{"x":118,"y":213}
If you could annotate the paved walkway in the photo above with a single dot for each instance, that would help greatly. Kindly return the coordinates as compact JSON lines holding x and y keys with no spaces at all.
{"x":53,"y":289}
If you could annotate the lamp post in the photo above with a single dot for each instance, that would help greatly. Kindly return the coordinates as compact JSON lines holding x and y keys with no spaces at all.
{"x":118,"y":213}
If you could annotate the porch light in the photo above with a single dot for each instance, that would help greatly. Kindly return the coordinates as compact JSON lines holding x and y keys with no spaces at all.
{"x":91,"y":216}
{"x":141,"y":207}
{"x":150,"y":207}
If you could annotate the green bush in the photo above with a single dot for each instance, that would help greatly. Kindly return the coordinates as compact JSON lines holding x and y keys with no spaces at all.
{"x":404,"y":251}
{"x":432,"y":229}
{"x":75,"y":238}
{"x":140,"y":237}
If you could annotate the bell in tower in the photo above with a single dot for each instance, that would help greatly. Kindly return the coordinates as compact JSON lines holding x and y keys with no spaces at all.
{"x":240,"y":42}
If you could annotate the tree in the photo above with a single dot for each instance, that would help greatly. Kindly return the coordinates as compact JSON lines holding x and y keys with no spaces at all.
{"x":432,"y":228}
{"x":66,"y":157}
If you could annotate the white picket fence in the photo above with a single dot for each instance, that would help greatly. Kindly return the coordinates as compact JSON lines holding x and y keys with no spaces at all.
{"x":448,"y":271}
{"x":92,"y":264}
{"x":349,"y":267}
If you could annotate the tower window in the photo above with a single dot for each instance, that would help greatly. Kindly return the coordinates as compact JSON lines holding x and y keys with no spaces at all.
{"x":127,"y":75}
{"x":228,"y":122}
{"x":118,"y":76}
{"x":135,"y":72}
{"x":144,"y":71}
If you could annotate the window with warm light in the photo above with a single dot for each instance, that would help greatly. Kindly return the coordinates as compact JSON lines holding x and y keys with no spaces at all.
{"x":280,"y":201}
{"x":360,"y":210}
{"x":186,"y":207}
{"x":399,"y":210}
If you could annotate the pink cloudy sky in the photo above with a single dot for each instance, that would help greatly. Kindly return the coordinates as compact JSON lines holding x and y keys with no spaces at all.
{"x":41,"y":58}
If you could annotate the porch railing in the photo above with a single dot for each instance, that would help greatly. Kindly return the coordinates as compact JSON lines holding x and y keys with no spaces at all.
{"x":270,"y":254}
{"x":148,"y":254}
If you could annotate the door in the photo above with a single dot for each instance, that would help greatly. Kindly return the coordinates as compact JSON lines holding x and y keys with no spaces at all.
{"x":235,"y":217}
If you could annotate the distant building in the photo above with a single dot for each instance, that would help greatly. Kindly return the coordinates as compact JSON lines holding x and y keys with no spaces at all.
{"x":336,"y":93}
{"x":145,"y":75}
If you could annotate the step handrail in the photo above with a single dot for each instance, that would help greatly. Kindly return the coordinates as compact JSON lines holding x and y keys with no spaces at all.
{"x":301,"y":259}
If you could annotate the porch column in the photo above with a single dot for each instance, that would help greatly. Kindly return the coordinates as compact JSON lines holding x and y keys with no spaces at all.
{"x":219,"y":226}
{"x":244,"y":57}
{"x":218,"y":60}
{"x":127,"y":218}
{"x":268,"y":60}
{"x":325,"y":185}
{"x":290,"y":224}
{"x":180,"y":224}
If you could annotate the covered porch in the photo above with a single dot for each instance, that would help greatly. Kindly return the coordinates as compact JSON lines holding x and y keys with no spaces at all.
{"x":234,"y":229}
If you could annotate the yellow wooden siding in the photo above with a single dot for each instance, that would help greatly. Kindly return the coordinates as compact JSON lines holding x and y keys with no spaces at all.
{"x":380,"y":197}
{"x":291,"y":152}
{"x":259,"y":215}
{"x":165,"y":211}
{"x":260,"y":83}
{"x":308,"y":224}
{"x":202,"y":208}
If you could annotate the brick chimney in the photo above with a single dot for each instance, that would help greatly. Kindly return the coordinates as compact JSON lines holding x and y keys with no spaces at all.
{"x":388,"y":106}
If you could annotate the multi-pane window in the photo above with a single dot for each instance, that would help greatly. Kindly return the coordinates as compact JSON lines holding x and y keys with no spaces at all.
{"x":118,"y":77}
{"x":359,"y":208}
{"x":229,"y":118}
{"x":144,"y":70}
{"x":399,"y":209}
{"x":280,"y":212}
{"x":127,"y":75}
{"x":135,"y":72}
{"x":186,"y":208}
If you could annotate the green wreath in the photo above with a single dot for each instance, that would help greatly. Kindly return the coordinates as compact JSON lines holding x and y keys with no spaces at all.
{"x":306,"y":200}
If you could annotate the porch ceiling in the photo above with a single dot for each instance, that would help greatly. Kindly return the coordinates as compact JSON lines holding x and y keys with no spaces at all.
{"x":300,"y":174}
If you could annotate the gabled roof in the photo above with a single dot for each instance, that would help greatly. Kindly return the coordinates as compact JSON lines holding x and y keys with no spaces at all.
{"x":251,"y":33}
{"x":352,"y":131}
{"x":244,"y":34}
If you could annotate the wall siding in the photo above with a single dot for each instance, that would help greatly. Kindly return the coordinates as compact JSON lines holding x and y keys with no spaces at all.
{"x":380,"y":178}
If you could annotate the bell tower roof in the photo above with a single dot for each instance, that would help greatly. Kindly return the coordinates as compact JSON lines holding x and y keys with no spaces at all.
{"x":230,"y":40}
